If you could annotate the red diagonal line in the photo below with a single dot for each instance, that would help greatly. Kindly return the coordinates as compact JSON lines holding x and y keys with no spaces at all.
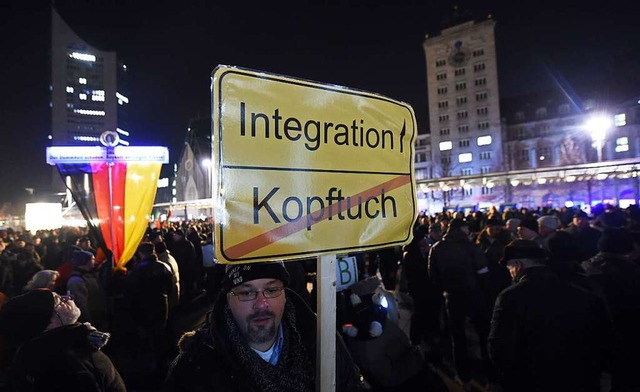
{"x":274,"y":235}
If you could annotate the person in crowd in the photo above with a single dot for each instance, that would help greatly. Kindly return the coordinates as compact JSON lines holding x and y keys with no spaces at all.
{"x":84,"y":284}
{"x":84,"y":243}
{"x":547,"y":225}
{"x":492,"y":241}
{"x":456,"y":267}
{"x":193,"y":236}
{"x":563,"y":253}
{"x":148,"y":285}
{"x":424,"y":327}
{"x":586,"y":235}
{"x":6,"y":270}
{"x":528,"y":230}
{"x":166,"y":257}
{"x":183,"y":251}
{"x":45,"y":279}
{"x":56,"y":353}
{"x":258,"y":337}
{"x":547,"y":335}
{"x":435,"y":234}
{"x":618,"y":278}
{"x":511,"y":225}
{"x":24,"y":266}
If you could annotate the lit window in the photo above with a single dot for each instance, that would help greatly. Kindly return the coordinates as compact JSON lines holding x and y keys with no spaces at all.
{"x":620,"y":120}
{"x":484,"y":140}
{"x":70,"y":89}
{"x":466,"y":157}
{"x":83,"y":56}
{"x":83,"y":96}
{"x":622,"y":144}
{"x":97,"y":98}
{"x":90,"y":112}
{"x":82,"y":80}
{"x":444,"y":146}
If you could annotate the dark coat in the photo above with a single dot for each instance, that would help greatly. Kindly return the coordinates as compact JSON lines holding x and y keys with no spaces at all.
{"x":185,"y":255}
{"x":454,"y":263}
{"x":547,"y":335}
{"x":587,"y":240}
{"x":206,"y":361}
{"x":63,"y":359}
{"x":89,"y":295}
{"x":619,"y":281}
{"x":149,"y":284}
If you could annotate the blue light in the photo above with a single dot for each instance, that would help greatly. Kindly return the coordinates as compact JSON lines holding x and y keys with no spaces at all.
{"x":383,"y":302}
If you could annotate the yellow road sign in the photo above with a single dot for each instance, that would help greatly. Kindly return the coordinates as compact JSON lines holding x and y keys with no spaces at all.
{"x":305,"y":168}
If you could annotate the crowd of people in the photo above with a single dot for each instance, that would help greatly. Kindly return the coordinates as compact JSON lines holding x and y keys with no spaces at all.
{"x":523,"y":300}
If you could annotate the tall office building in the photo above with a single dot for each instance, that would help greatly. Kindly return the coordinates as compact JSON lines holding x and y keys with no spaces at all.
{"x":85,"y":100}
{"x":464,"y":111}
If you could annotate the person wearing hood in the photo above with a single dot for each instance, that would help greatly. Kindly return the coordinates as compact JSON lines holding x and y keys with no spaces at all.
{"x":53,"y":352}
{"x":85,"y":286}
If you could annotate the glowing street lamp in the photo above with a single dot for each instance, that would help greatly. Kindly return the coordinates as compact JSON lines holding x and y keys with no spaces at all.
{"x":597,"y":126}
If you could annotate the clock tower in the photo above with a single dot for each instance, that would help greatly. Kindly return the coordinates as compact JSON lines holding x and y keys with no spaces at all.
{"x":464,"y":112}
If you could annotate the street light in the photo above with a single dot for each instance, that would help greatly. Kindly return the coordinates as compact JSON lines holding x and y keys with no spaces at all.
{"x":597,"y":126}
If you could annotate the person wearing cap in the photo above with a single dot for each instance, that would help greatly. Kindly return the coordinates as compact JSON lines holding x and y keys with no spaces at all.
{"x":457,"y":268}
{"x":50,"y":351}
{"x":259,"y":336}
{"x":618,"y":278}
{"x":492,"y":240}
{"x":85,"y":286}
{"x":547,"y":334}
{"x":528,"y":230}
{"x":547,"y":225}
{"x":586,"y":235}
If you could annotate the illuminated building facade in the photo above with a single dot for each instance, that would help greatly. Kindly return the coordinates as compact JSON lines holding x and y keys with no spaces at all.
{"x":464,"y":110}
{"x":85,"y":100}
{"x":546,"y":149}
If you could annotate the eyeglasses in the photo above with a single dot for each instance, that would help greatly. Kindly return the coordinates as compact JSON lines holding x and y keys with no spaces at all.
{"x":64,"y":299}
{"x":251,"y":295}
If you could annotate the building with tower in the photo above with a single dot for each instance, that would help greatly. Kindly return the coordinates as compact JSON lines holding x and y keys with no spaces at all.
{"x":464,"y":103}
{"x":566,"y":147}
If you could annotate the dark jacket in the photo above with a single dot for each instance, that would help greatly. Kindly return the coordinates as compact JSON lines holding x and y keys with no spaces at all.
{"x":455,"y":263}
{"x":587,"y":238}
{"x":64,"y":359}
{"x":547,"y":335}
{"x":90,"y":297}
{"x":206,"y":361}
{"x":148,"y":286}
{"x":185,"y":255}
{"x":619,"y":281}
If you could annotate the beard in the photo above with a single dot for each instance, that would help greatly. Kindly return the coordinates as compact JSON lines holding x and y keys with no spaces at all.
{"x":69,"y":315}
{"x":261,"y":333}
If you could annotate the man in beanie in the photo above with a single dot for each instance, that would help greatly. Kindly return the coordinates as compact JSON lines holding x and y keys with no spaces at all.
{"x":86,"y":288}
{"x":53,"y":352}
{"x":260,"y":336}
{"x":547,"y":334}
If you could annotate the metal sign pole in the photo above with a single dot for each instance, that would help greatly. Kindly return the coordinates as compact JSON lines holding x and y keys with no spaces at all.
{"x":326,"y":324}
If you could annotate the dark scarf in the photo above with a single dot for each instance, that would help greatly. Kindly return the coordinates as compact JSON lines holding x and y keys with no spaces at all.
{"x":294,"y":371}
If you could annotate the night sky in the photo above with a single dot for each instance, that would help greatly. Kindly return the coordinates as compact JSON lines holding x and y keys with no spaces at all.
{"x":171,"y":47}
